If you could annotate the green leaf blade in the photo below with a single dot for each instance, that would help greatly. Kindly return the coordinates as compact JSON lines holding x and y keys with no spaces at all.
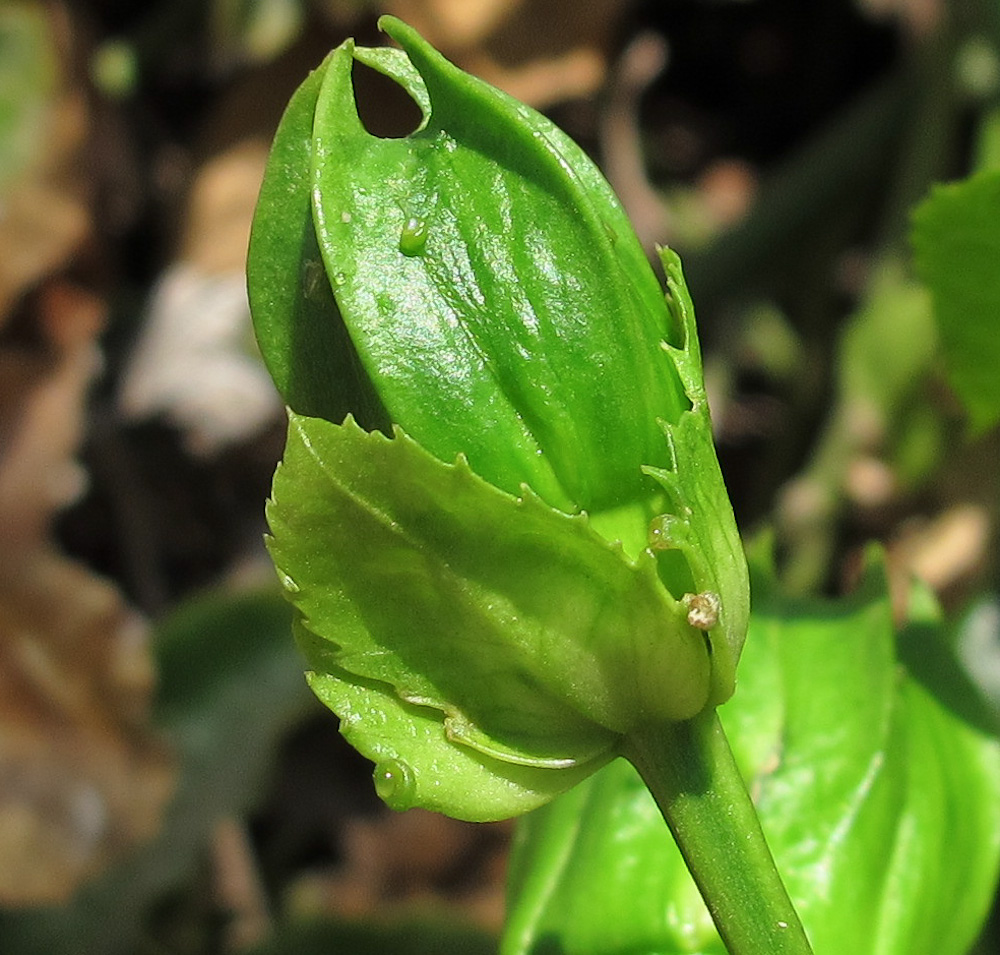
{"x":700,"y":517}
{"x":526,"y":278}
{"x":302,"y":340}
{"x":417,"y":764}
{"x":538,"y":641}
{"x":867,"y":786}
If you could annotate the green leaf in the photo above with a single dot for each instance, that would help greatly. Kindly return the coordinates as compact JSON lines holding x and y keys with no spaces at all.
{"x":887,"y":350}
{"x":956,"y":238}
{"x":482,"y":338}
{"x":485,"y":271}
{"x":597,"y":871}
{"x":538,"y":641}
{"x":868,"y":790}
{"x":303,"y":342}
{"x":418,"y":764}
{"x":699,"y":522}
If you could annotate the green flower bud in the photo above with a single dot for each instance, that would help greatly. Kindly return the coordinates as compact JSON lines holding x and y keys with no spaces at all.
{"x":477,"y":287}
{"x":494,"y":294}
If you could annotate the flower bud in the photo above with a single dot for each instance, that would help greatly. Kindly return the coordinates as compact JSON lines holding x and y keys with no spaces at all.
{"x":477,"y":286}
{"x":494,"y":295}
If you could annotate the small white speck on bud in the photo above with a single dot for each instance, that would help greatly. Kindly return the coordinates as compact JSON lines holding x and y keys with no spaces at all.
{"x":703,"y":609}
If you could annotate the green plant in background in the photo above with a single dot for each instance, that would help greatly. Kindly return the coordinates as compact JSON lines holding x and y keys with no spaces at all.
{"x":501,"y":521}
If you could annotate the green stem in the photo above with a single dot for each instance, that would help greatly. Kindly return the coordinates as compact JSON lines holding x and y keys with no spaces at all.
{"x":690,"y":770}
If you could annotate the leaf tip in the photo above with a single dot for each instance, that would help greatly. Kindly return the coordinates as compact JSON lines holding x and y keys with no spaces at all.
{"x":396,"y":29}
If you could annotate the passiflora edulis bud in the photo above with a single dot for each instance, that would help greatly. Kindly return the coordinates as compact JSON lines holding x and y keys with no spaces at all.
{"x":500,"y":513}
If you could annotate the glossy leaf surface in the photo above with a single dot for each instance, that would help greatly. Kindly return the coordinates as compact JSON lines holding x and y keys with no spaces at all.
{"x":492,"y":226}
{"x":303,"y":342}
{"x":867,"y":787}
{"x":493,"y":289}
{"x":417,"y":764}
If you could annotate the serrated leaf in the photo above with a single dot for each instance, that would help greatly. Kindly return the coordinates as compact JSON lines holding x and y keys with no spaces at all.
{"x":867,"y":787}
{"x":956,"y":238}
{"x":701,"y":518}
{"x":538,"y":640}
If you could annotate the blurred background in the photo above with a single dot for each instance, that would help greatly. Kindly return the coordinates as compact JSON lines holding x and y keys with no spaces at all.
{"x":167,"y":783}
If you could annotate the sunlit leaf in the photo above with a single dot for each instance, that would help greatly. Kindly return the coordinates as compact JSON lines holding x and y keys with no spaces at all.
{"x":868,"y":788}
{"x":513,"y":628}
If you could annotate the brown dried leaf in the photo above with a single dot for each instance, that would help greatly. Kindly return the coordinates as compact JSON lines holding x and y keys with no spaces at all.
{"x":44,"y":212}
{"x":947,"y":550}
{"x":220,"y":208}
{"x":82,"y":778}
